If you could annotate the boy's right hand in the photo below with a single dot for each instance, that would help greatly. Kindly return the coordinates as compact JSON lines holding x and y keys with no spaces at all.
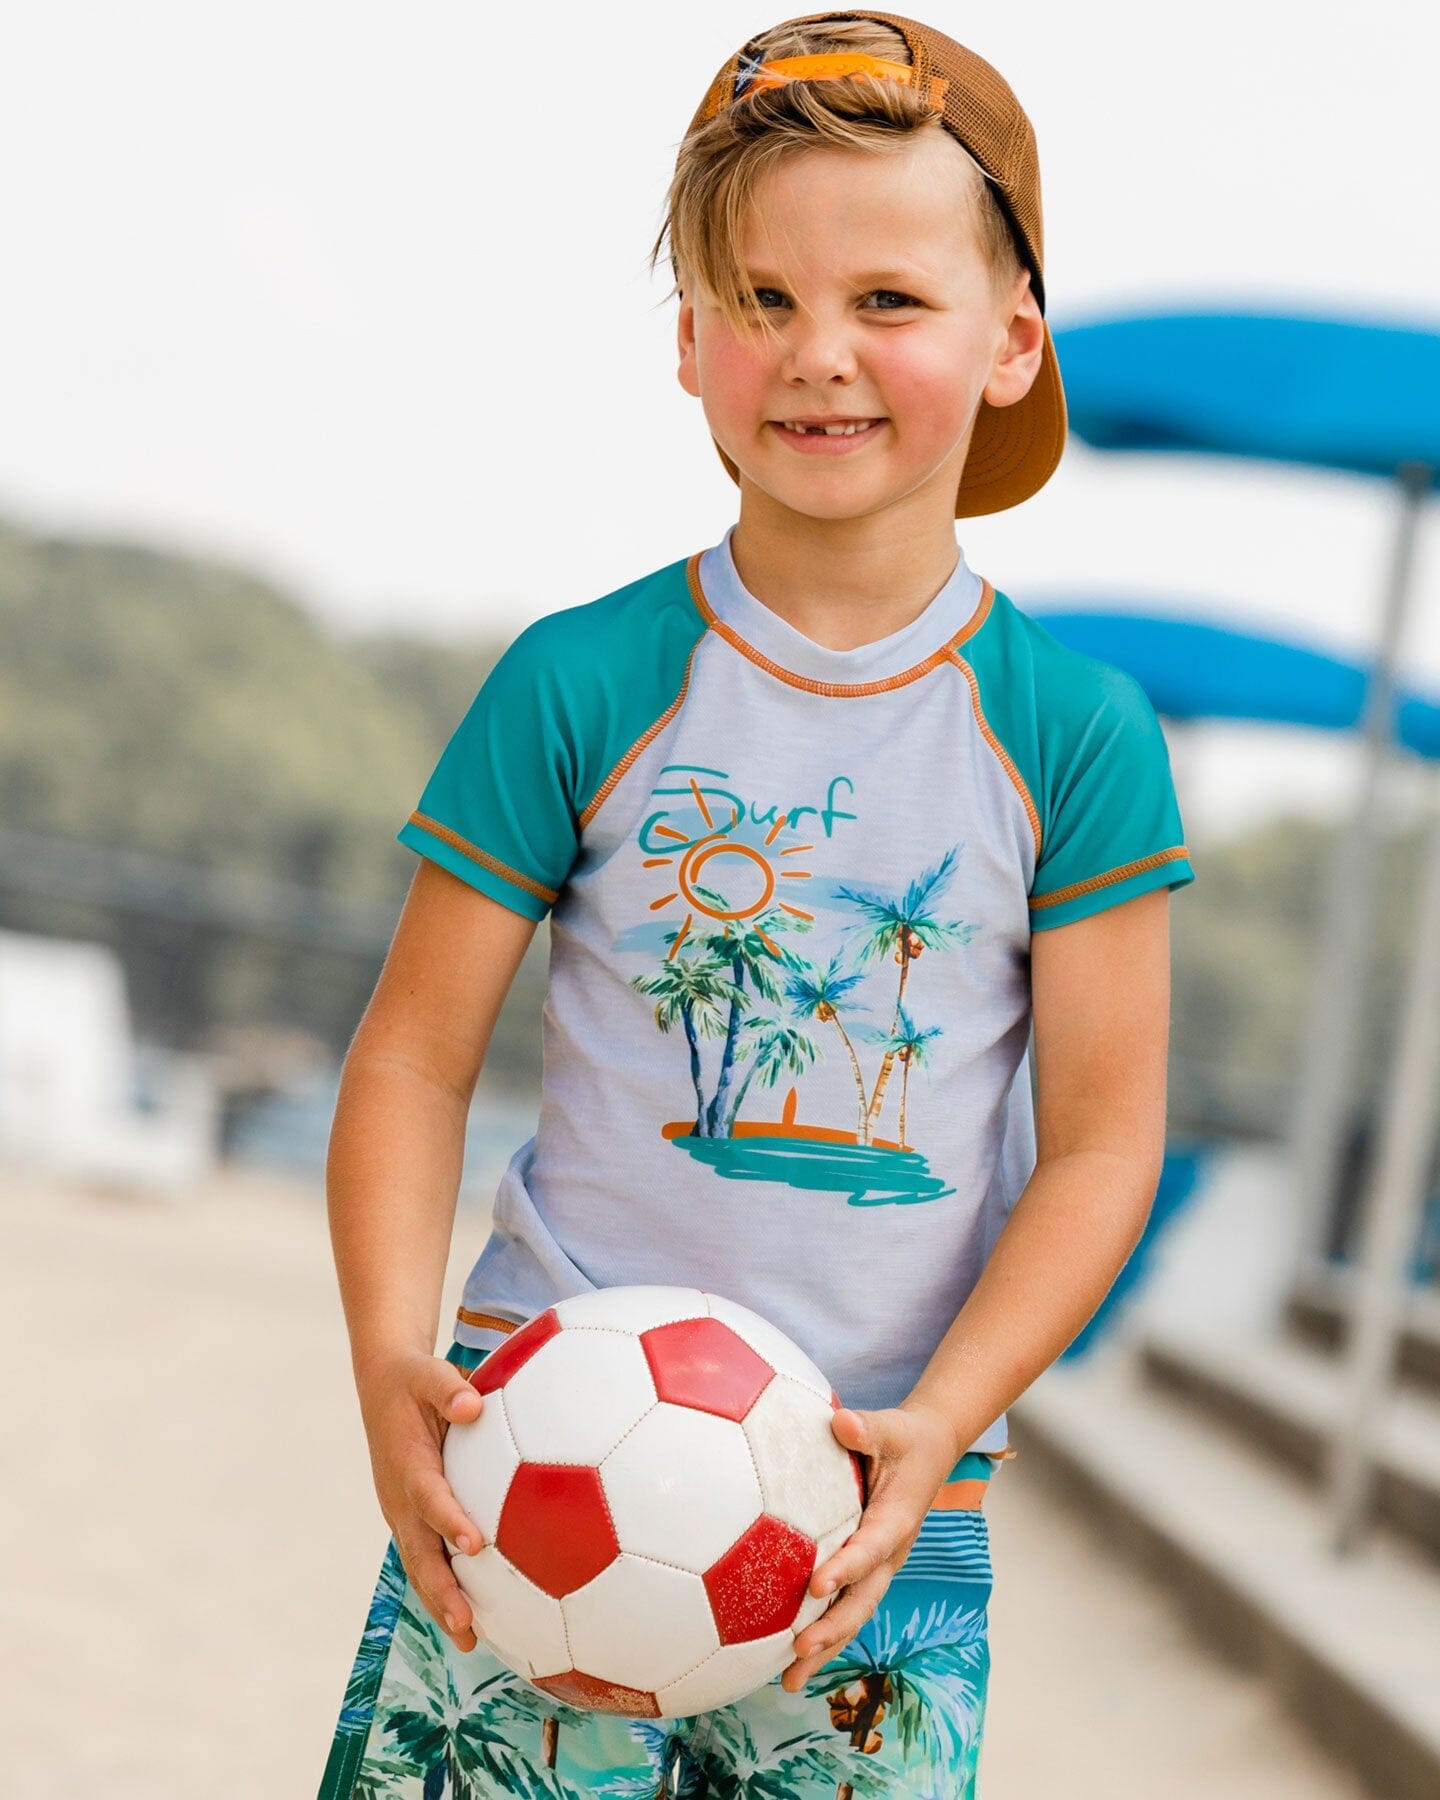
{"x":407,"y":1402}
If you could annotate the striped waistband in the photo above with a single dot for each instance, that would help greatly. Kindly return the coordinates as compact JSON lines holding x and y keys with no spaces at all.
{"x":950,"y":1546}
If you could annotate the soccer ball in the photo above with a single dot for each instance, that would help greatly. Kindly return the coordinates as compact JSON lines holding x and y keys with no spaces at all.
{"x":656,"y":1480}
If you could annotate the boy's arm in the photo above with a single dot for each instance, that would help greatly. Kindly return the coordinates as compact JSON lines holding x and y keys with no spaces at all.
{"x":396,"y":1152}
{"x":1100,"y":991}
{"x":397,"y":1141}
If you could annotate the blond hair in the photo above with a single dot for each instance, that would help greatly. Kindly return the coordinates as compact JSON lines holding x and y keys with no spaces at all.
{"x":721,"y":162}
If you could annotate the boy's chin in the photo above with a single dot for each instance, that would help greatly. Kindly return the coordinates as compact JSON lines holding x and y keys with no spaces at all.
{"x":831,"y":500}
{"x":831,"y":509}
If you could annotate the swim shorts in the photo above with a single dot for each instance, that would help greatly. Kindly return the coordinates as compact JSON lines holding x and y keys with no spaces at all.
{"x":897,"y":1712}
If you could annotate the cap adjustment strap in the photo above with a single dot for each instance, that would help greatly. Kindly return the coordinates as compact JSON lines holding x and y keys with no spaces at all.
{"x":753,"y":77}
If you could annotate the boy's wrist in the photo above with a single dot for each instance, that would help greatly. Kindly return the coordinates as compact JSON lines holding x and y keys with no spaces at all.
{"x":958,"y":1439}
{"x":377,"y":1354}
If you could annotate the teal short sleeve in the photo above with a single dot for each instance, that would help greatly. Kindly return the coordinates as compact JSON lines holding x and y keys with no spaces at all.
{"x":1111,"y":827}
{"x":499,"y":809}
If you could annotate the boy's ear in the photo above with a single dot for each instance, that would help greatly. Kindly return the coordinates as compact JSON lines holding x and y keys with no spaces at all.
{"x":685,"y":342}
{"x":1017,"y":361}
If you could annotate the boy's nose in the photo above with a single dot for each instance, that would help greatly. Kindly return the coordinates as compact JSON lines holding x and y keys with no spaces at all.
{"x":820,"y":352}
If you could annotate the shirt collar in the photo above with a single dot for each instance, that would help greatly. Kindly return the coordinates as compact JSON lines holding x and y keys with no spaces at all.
{"x":944,"y":619}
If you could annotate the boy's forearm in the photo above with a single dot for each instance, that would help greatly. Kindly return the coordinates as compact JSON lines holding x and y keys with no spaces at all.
{"x":392,"y":1175}
{"x":1068,"y":1235}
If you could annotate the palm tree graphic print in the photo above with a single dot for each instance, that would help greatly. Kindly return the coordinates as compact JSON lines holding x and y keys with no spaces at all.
{"x":425,"y":1721}
{"x":757,"y":1013}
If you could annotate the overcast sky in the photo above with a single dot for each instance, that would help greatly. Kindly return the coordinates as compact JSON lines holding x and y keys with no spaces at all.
{"x":356,"y":295}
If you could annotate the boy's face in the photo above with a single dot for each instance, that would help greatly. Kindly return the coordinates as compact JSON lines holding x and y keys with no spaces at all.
{"x":887,"y":312}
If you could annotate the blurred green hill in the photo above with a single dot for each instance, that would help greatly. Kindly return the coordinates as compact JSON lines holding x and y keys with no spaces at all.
{"x":157,"y":702}
{"x":178,"y":709}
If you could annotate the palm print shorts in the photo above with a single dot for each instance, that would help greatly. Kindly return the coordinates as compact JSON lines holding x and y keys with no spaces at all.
{"x":898,"y":1711}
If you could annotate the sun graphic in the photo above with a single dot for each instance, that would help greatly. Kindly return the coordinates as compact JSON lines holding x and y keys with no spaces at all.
{"x":718,"y":843}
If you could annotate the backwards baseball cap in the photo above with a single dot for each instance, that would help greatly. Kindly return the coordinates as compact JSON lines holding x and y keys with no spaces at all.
{"x":1013,"y":449}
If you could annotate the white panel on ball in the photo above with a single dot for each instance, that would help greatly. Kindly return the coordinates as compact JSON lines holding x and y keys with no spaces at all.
{"x":631,"y":1308}
{"x":640,"y":1623}
{"x":480,"y":1459}
{"x":512,"y":1659}
{"x":513,"y":1611}
{"x":727,"y":1674}
{"x":765,"y":1340}
{"x":650,"y":1484}
{"x":608,"y":1367}
{"x":812,"y":1606}
{"x":806,"y":1474}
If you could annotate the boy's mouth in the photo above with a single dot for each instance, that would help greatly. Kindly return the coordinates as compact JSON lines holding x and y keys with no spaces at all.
{"x":826,"y":434}
{"x":833,"y":427}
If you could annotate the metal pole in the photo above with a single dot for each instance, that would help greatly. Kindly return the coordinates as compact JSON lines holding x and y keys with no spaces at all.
{"x":1322,"y":1112}
{"x":1391,"y":1219}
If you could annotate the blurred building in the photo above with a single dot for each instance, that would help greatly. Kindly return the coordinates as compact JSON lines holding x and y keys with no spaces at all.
{"x":80,"y":1097}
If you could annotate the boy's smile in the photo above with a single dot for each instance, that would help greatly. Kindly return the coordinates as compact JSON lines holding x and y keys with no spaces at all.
{"x":820,"y":435}
{"x":890,"y":332}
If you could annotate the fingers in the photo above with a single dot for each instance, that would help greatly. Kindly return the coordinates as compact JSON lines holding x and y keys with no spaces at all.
{"x":834,"y":1629}
{"x":428,"y":1570}
{"x":861,"y":1570}
{"x":877,"y":1539}
{"x":433,"y":1500}
{"x":433,"y":1503}
{"x":407,"y":1417}
{"x":441,"y":1385}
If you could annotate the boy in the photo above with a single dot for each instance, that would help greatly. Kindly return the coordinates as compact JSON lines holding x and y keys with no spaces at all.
{"x":822,"y":823}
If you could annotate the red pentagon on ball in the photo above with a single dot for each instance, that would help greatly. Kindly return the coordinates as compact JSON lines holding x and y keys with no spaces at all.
{"x":580,"y":1689}
{"x":515,"y":1352}
{"x":757,"y":1586}
{"x":555,"y":1526}
{"x":702,"y":1363}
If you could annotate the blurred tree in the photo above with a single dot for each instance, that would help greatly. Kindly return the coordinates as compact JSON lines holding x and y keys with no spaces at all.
{"x":161,"y":703}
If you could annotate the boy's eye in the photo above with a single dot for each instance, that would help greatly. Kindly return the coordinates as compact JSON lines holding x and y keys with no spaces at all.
{"x":886,"y":294}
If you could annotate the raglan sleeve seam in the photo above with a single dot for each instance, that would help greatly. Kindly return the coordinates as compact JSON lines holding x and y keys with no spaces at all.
{"x":498,"y":809}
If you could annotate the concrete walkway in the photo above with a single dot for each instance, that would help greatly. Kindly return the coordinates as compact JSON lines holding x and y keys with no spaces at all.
{"x":190,"y":1537}
{"x":1098,"y":1690}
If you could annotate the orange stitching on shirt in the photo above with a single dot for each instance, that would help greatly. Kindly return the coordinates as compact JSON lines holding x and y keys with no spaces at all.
{"x":990,"y":738}
{"x":487,"y":1320}
{"x":483,"y":857}
{"x":842,"y":690}
{"x":607,"y":787}
{"x":1123,"y":873}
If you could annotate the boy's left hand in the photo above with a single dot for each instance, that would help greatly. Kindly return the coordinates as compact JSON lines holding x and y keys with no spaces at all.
{"x":910,"y":1449}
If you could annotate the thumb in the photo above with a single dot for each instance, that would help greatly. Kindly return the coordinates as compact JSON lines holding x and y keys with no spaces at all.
{"x":854,"y":1429}
{"x":452,"y":1395}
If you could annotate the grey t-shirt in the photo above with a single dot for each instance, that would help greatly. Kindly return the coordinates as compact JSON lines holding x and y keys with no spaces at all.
{"x":791,"y":892}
